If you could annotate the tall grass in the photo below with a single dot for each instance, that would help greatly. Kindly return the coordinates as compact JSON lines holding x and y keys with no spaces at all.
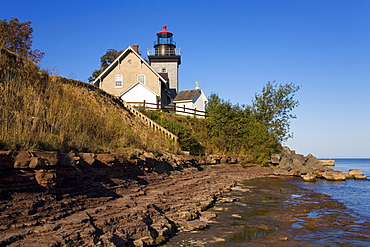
{"x":42,"y":112}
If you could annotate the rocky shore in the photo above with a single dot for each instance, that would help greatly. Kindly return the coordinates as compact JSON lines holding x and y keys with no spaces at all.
{"x":84,"y":199}
{"x":136,"y":199}
{"x":272,"y":211}
{"x":288,"y":163}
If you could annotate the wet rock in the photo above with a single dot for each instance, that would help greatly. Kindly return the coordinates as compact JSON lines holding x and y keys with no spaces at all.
{"x":208,"y":215}
{"x":352,"y":172}
{"x":206,"y":203}
{"x":227,"y":199}
{"x":360,"y":177}
{"x":195,"y":225}
{"x":80,"y":199}
{"x":309,"y":178}
{"x":356,"y":174}
{"x":236,"y":216}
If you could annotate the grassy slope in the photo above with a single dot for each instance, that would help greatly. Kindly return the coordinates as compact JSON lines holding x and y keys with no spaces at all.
{"x":40,"y":112}
{"x":250,"y":139}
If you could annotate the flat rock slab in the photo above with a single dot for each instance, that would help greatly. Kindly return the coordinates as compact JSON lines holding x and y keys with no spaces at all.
{"x":143,"y":209}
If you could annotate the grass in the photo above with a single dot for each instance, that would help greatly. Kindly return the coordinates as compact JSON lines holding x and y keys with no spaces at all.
{"x":42,"y":112}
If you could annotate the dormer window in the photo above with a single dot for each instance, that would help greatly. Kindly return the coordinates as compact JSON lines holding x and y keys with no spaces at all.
{"x":118,"y":82}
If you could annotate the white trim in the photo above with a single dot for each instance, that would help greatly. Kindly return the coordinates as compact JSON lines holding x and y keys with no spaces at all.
{"x":118,"y":78}
{"x":183,"y":101}
{"x":120,"y":58}
{"x":134,"y":85}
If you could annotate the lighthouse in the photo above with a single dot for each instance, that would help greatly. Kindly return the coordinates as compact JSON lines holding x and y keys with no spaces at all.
{"x":165,"y":59}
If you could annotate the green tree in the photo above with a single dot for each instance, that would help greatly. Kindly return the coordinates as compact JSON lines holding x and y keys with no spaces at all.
{"x":234,"y":129}
{"x":17,"y":37}
{"x":273,"y":107}
{"x":105,"y":61}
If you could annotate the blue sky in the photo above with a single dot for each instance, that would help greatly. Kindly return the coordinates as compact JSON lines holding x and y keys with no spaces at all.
{"x":233,"y":48}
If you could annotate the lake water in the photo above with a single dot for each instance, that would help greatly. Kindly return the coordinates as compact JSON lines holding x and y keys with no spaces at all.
{"x":275,"y":212}
{"x":354,"y":194}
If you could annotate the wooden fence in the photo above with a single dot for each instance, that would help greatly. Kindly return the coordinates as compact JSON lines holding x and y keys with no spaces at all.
{"x":170,"y":108}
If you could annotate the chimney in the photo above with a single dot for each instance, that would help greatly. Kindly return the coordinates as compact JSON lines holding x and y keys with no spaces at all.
{"x":197,"y":85}
{"x":136,"y":48}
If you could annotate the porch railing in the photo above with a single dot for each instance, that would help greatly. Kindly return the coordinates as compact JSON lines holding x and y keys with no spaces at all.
{"x":170,"y":108}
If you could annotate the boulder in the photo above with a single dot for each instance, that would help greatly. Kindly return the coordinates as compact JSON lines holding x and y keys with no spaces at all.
{"x":22,"y":160}
{"x":89,"y":158}
{"x":334,"y":175}
{"x":275,"y":159}
{"x":283,"y":171}
{"x":49,"y":158}
{"x":208,"y":215}
{"x":105,"y":158}
{"x":43,"y":161}
{"x":356,"y":174}
{"x":186,"y":215}
{"x":312,"y":160}
{"x":195,"y":225}
{"x":309,"y":177}
{"x":352,"y":172}
{"x":327,"y":162}
{"x":292,"y":164}
{"x":48,"y":178}
{"x":360,"y":177}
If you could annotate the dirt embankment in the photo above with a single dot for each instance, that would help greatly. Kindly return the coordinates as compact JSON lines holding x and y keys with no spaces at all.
{"x":75,"y":199}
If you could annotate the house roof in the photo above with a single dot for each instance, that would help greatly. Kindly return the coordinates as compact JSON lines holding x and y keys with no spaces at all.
{"x":119,"y":59}
{"x":187,"y":95}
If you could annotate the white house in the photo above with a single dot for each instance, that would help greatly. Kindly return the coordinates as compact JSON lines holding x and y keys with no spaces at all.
{"x":191,"y":102}
{"x":134,"y":80}
{"x":155,"y":80}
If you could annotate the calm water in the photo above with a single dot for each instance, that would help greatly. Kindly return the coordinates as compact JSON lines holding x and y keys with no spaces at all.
{"x":260,"y":218}
{"x":355,"y":194}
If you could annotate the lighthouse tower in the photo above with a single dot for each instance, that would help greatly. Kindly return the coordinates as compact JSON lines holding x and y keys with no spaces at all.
{"x":165,"y":59}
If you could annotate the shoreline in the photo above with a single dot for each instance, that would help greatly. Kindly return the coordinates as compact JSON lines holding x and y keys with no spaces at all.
{"x":142,"y":202}
{"x":269,"y":211}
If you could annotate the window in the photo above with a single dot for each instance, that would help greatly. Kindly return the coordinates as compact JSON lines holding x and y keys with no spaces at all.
{"x":118,"y":81}
{"x":141,"y":78}
{"x":164,"y":70}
